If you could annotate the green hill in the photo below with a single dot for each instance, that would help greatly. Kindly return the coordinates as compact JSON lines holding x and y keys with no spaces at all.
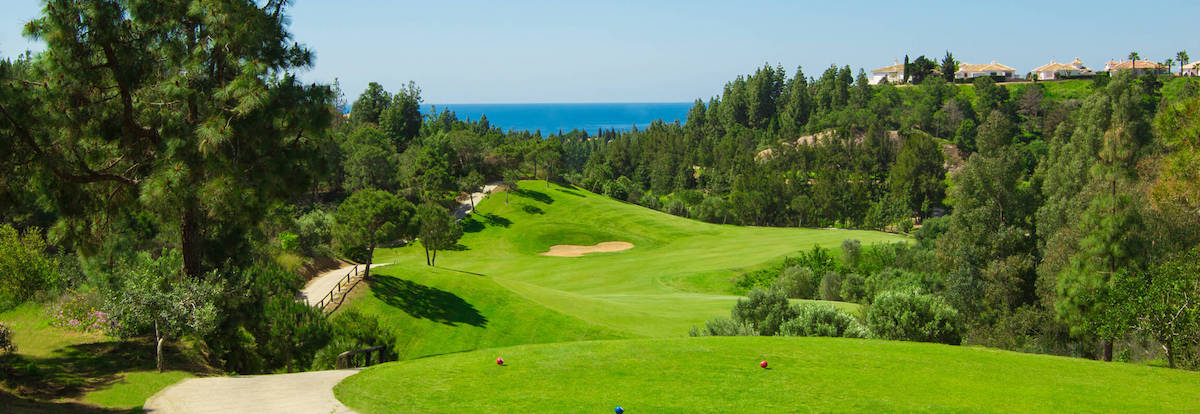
{"x":721,"y":374}
{"x":497,"y":290}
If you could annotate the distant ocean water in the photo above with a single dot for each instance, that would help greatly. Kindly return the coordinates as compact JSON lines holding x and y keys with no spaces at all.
{"x":551,"y":118}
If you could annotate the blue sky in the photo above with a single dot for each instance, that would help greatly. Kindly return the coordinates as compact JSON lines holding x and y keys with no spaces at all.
{"x":671,"y":51}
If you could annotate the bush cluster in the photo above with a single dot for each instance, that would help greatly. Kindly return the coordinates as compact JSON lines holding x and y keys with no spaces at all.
{"x":912,"y":316}
{"x":796,"y":282}
{"x":823,"y":320}
{"x":894,"y":315}
{"x":763,"y":310}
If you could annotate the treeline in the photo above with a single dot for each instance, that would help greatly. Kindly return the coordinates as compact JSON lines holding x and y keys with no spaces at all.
{"x":1067,"y":226}
{"x":830,"y":151}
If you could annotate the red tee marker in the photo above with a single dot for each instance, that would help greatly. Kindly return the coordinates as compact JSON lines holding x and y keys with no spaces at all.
{"x":499,"y":361}
{"x":763,"y":364}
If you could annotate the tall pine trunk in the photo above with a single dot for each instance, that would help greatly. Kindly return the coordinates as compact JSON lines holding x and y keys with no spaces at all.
{"x":1108,"y":349}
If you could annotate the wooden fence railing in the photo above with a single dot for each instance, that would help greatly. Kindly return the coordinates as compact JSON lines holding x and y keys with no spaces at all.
{"x":344,"y":284}
{"x":343,"y":359}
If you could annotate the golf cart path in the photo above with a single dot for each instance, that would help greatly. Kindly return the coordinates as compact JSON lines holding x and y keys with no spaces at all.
{"x":304,"y":392}
{"x":464,"y":207}
{"x":320,"y":286}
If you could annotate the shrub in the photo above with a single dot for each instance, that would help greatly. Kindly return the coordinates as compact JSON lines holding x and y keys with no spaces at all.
{"x":677,"y":208}
{"x":724,"y":327}
{"x":796,"y":282}
{"x":315,"y":229}
{"x":831,"y":286}
{"x":289,"y":242}
{"x":912,"y":316}
{"x":650,"y":201}
{"x":819,"y":259}
{"x":351,"y":331}
{"x":79,"y":311}
{"x":25,"y":268}
{"x":823,"y":320}
{"x":899,"y":280}
{"x":854,"y":288}
{"x":851,"y":251}
{"x":6,"y":344}
{"x":931,"y":229}
{"x":764,"y":310}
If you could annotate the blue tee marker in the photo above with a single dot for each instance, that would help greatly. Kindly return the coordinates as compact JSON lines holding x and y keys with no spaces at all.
{"x":619,"y":410}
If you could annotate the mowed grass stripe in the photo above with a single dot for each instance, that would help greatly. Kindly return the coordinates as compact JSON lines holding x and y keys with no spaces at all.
{"x":721,"y":374}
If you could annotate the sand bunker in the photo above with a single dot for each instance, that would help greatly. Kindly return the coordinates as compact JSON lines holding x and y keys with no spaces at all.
{"x":570,"y":250}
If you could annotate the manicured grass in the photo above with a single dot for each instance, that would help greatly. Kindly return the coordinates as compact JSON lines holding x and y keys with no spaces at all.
{"x":441,"y":311}
{"x":721,"y":374}
{"x":679,"y":274}
{"x":36,"y":337}
{"x":134,"y":388}
{"x":63,"y":370}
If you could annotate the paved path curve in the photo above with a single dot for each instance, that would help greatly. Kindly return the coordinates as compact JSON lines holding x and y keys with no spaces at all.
{"x":320,"y":286}
{"x":304,"y":392}
{"x":464,"y":207}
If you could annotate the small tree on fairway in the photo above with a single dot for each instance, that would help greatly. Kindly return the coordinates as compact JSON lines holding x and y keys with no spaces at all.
{"x":510,"y":180}
{"x":1182,"y":56}
{"x":469,"y":183}
{"x":155,"y":296}
{"x":370,"y":218}
{"x":438,"y":231}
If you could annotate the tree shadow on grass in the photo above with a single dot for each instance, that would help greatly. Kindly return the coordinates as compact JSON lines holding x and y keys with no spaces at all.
{"x":426,"y":302}
{"x":563,"y":190}
{"x":536,"y":195}
{"x":17,"y":405}
{"x":496,"y":220}
{"x":75,"y":370}
{"x":532,"y":209}
{"x":470,"y":225}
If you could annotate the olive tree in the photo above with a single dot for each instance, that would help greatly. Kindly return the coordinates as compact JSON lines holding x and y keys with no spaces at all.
{"x":155,"y":296}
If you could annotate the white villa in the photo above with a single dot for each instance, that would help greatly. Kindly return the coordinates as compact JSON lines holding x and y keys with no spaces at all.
{"x":1055,"y":70}
{"x":1138,"y":67}
{"x":1191,"y":69}
{"x":969,"y":71}
{"x":893,"y":74}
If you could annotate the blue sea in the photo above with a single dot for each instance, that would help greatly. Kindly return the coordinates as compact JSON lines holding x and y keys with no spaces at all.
{"x":550,"y":118}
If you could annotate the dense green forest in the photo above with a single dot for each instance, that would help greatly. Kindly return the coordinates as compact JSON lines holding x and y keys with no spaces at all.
{"x":169,"y":169}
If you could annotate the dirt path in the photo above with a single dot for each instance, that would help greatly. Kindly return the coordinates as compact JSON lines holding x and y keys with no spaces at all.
{"x":464,"y":207}
{"x":304,"y":392}
{"x":320,"y":286}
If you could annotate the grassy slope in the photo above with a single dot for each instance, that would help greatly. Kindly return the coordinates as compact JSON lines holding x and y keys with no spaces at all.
{"x":441,"y":311}
{"x":77,"y":366}
{"x":679,"y":273}
{"x":720,"y":374}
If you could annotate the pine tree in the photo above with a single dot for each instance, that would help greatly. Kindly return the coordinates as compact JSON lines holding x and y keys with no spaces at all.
{"x":170,"y":110}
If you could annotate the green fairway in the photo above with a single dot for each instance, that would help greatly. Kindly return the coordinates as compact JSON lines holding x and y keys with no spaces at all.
{"x":721,"y":374}
{"x":679,"y":273}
